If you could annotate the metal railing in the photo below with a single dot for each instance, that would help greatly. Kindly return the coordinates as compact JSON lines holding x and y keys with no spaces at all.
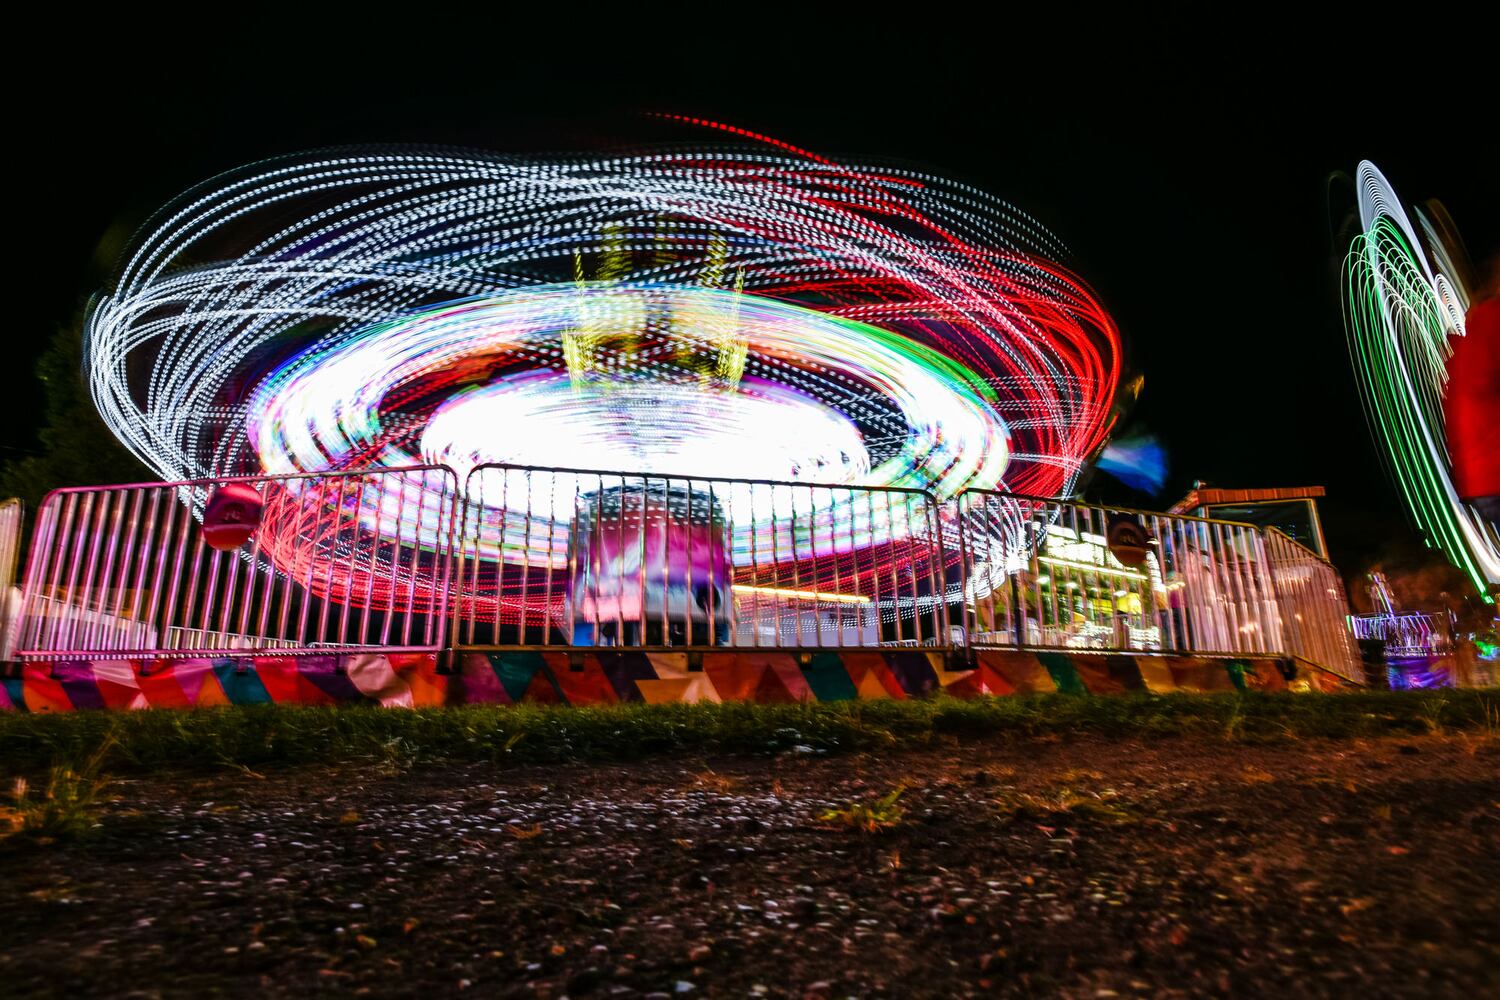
{"x":1405,"y":633}
{"x":1043,"y":574}
{"x":353,"y":560}
{"x":1314,"y":609}
{"x":405,"y":560}
{"x":12,"y":516}
{"x":553,"y":556}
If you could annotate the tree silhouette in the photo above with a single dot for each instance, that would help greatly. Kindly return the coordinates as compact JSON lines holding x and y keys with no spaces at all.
{"x":77,"y":449}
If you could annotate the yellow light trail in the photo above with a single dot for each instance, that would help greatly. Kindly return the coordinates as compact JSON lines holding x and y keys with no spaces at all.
{"x":802,"y":595}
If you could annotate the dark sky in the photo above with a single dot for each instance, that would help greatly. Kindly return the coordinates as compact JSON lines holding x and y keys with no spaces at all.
{"x":1185,"y":161}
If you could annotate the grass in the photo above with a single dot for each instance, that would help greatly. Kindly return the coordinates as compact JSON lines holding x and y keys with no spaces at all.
{"x":870,"y":816}
{"x":66,"y":808}
{"x":1102,"y":807}
{"x":393,"y":740}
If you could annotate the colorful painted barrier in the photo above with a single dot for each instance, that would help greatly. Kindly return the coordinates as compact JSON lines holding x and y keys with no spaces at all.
{"x":594,"y":678}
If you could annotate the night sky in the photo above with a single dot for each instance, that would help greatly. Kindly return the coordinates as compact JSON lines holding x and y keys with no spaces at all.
{"x":1185,"y":162}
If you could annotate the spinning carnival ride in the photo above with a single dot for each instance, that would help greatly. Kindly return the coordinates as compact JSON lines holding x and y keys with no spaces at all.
{"x":754,"y":313}
{"x":1405,"y":301}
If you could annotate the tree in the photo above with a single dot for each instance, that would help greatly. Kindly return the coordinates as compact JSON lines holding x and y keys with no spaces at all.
{"x":77,"y":449}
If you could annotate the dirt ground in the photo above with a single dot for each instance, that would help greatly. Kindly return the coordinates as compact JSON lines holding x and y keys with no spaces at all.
{"x":1078,"y":868}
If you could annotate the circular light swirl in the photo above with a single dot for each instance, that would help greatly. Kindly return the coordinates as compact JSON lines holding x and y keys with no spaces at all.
{"x":748,"y":312}
{"x":1403,"y":301}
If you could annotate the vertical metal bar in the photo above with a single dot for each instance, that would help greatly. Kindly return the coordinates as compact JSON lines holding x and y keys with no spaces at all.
{"x":965,"y":575}
{"x":1204,"y":606}
{"x":1232,"y":602}
{"x":812,"y":548}
{"x":1233,"y":606}
{"x":141,"y":610}
{"x":911,"y":568}
{"x":100,"y":633}
{"x":398,"y":544}
{"x":526,"y":566}
{"x":332,"y":553}
{"x":51,"y":627}
{"x":1251,"y":619}
{"x":1183,"y":556}
{"x":1219,"y":608}
{"x":596,"y":558}
{"x":1256,"y":574}
{"x":471,"y":548}
{"x":1251,"y":641}
{"x":356,"y":534}
{"x":1199,"y":590}
{"x":839,"y":601}
{"x":641,"y":568}
{"x":1285,"y":609}
{"x":500,"y":560}
{"x":1076,"y":595}
{"x":617,"y":576}
{"x":268,"y":570}
{"x":311,"y":516}
{"x":181,"y":544}
{"x":225,"y":613}
{"x":713,"y":549}
{"x":890,"y":525}
{"x":990,"y":531}
{"x":414,"y":563}
{"x":1107,"y":579}
{"x":938,"y":599}
{"x":796,"y":557}
{"x":666,"y":562}
{"x":1148,"y":592}
{"x":1104,"y":575}
{"x":1302,"y":596}
{"x":52,"y":537}
{"x":691,"y":600}
{"x":78,"y":627}
{"x":1027,"y":569}
{"x":95,"y":578}
{"x":752,"y":596}
{"x":67,"y":607}
{"x":551,"y":556}
{"x":122,"y":570}
{"x":1299,"y":593}
{"x":450,"y":509}
{"x":210,"y":602}
{"x":1167,"y":564}
{"x":144,"y":556}
{"x":281,"y":502}
{"x":1055,"y":577}
{"x":378,"y":480}
{"x":856,"y":589}
{"x":452,"y":514}
{"x":937,"y":572}
{"x":252,"y":573}
{"x":1094,"y":577}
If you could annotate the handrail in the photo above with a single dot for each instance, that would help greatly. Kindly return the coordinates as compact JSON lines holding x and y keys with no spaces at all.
{"x":795,"y":554}
{"x":120,"y":569}
{"x":660,"y":561}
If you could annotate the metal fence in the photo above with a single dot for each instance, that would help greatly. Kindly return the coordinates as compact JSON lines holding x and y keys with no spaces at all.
{"x":1049,"y":574}
{"x":348,"y":561}
{"x":12,"y":516}
{"x":405,"y":559}
{"x":1406,"y":633}
{"x":571,"y":557}
{"x":1314,"y":609}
